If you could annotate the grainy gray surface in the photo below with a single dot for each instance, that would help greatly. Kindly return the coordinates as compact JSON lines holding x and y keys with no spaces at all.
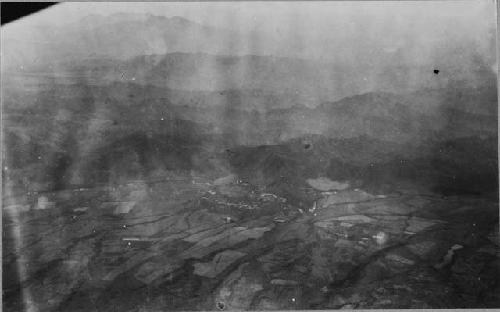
{"x":250,"y":155}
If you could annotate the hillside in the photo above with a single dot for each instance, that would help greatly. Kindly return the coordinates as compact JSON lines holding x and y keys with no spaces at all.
{"x":233,"y":156}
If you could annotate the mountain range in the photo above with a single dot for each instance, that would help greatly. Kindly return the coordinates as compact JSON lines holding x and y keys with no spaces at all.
{"x":101,"y":93}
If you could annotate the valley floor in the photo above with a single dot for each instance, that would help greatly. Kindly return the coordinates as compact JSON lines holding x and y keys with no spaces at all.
{"x":192,"y":243}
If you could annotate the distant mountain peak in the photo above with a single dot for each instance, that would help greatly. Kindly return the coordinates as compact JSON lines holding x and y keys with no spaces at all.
{"x":180,"y":19}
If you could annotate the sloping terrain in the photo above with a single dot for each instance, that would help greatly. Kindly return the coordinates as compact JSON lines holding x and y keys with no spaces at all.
{"x":186,"y":242}
{"x":153,"y":163}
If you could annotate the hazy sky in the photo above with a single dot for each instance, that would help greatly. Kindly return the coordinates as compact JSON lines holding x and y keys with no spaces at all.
{"x":416,"y":29}
{"x":274,"y":14}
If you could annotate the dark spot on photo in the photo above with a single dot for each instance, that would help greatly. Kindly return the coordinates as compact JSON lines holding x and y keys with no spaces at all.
{"x":221,"y":305}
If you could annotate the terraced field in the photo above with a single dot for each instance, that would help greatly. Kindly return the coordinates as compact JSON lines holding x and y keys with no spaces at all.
{"x":202,"y":244}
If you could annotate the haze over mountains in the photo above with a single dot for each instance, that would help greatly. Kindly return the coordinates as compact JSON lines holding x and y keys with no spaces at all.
{"x":319,"y":63}
{"x":228,"y":114}
{"x":173,"y":68}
